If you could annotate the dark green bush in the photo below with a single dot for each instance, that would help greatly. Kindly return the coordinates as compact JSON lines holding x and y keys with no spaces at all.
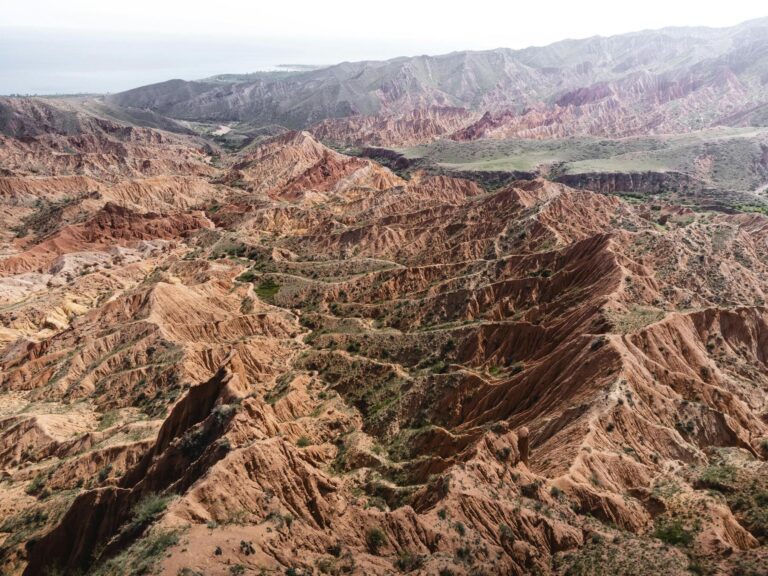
{"x":674,"y":533}
{"x":375,"y":539}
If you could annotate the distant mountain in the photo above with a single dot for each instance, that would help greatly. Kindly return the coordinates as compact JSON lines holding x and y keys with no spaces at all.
{"x":652,"y":81}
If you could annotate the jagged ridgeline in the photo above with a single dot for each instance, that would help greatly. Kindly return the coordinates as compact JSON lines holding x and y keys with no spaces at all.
{"x":228,"y":347}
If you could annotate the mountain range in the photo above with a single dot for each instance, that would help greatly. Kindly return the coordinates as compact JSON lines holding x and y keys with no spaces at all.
{"x":649,"y":82}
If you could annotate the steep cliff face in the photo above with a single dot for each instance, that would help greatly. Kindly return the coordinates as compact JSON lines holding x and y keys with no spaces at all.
{"x":638,"y":182}
{"x":93,"y":522}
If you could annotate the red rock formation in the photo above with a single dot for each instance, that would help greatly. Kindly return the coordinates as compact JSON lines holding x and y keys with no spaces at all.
{"x":345,"y":371}
{"x":415,"y":127}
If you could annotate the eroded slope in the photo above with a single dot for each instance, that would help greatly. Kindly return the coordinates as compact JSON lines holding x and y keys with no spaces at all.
{"x":293,"y":360}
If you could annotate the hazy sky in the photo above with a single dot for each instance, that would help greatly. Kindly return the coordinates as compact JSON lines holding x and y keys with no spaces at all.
{"x":101,"y":45}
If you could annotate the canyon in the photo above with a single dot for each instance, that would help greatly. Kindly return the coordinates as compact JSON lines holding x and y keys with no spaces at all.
{"x":253,"y":327}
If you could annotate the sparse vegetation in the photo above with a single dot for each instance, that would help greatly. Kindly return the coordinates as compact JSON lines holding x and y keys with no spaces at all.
{"x":674,"y":532}
{"x":141,"y":557}
{"x":104,"y":472}
{"x":247,"y":276}
{"x":408,"y":562}
{"x":439,"y":351}
{"x":37,"y":485}
{"x":267,"y":289}
{"x":718,"y":477}
{"x":634,"y":318}
{"x":303,"y":442}
{"x":734,"y":154}
{"x":108,"y":419}
{"x":148,"y":509}
{"x":375,"y":539}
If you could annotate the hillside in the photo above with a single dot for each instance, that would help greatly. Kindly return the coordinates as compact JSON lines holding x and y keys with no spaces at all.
{"x":289,"y":360}
{"x":728,"y":166}
{"x":663,"y":81}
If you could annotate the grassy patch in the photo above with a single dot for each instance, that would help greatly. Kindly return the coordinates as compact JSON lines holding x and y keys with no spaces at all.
{"x":674,"y":532}
{"x":247,"y":276}
{"x":108,"y":419}
{"x":267,"y":289}
{"x":37,"y":485}
{"x":303,"y":442}
{"x":148,"y":509}
{"x":718,"y":477}
{"x":141,"y":557}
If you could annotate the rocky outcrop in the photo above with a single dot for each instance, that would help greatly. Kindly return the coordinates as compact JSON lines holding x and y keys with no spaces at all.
{"x":296,"y":165}
{"x":112,"y":225}
{"x":309,"y":364}
{"x":637,"y":182}
{"x":74,"y":544}
{"x":416,"y":127}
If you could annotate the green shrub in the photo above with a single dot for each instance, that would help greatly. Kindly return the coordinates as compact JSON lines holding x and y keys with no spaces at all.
{"x":439,"y":367}
{"x":506,"y":535}
{"x":35,"y":487}
{"x":408,"y":562}
{"x":246,"y":306}
{"x":375,"y":539}
{"x":149,"y":508}
{"x":531,"y":490}
{"x":464,"y":553}
{"x":247,"y":276}
{"x":674,"y":533}
{"x":267,"y":289}
{"x":353,"y":347}
{"x":104,"y":472}
{"x":194,"y":442}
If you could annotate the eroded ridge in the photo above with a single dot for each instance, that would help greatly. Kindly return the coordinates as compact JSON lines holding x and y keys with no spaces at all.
{"x":288,"y":359}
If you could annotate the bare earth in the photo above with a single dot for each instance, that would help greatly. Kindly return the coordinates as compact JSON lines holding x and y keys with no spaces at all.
{"x":286,"y":360}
